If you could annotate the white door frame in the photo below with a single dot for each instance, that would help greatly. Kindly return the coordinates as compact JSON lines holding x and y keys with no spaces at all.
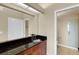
{"x":55,"y":15}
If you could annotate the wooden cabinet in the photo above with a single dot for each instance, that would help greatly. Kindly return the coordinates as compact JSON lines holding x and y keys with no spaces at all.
{"x":39,"y":49}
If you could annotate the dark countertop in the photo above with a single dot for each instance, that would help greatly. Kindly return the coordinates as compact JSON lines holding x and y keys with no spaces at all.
{"x":21,"y":44}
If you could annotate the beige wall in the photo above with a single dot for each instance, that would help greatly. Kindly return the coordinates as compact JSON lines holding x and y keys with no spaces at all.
{"x":3,"y":27}
{"x":33,"y":25}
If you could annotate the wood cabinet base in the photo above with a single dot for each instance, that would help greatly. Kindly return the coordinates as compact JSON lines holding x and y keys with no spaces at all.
{"x":39,"y":49}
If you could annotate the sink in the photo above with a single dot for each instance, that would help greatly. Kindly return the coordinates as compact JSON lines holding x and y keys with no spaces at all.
{"x":34,"y":43}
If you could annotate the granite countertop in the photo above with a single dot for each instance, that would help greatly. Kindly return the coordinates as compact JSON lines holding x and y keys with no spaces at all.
{"x":19,"y":49}
{"x":16,"y":46}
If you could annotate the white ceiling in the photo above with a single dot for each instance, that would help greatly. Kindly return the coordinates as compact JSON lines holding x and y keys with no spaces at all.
{"x":45,"y":5}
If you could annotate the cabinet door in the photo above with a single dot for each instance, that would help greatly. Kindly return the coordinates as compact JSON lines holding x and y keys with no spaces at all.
{"x":36,"y":50}
{"x":43,"y":48}
{"x":39,"y":49}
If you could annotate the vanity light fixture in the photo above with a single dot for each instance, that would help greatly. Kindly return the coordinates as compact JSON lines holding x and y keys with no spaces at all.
{"x":28,"y":7}
{"x":32,"y":9}
{"x":22,"y":5}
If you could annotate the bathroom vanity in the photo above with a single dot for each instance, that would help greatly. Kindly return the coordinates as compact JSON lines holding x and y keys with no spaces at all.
{"x":37,"y":49}
{"x":25,"y":46}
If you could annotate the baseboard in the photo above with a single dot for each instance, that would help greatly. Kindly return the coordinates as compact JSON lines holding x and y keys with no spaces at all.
{"x":68,"y":47}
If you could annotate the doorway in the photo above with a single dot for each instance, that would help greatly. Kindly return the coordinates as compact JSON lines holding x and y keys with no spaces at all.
{"x":68,"y":31}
